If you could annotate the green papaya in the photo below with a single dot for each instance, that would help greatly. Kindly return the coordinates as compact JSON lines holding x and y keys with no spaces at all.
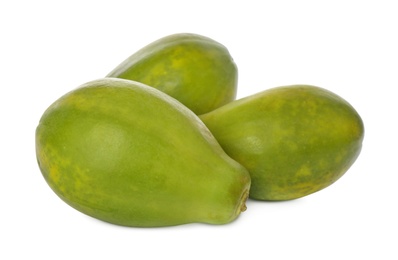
{"x":128,"y":154}
{"x":294,"y":140}
{"x":196,"y":70}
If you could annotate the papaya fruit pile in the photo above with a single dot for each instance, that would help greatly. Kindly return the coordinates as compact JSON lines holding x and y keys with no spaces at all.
{"x":161,"y":140}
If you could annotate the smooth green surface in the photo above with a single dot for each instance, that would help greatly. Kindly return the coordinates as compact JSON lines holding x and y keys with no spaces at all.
{"x":129,"y":154}
{"x":196,"y":70}
{"x":294,"y":140}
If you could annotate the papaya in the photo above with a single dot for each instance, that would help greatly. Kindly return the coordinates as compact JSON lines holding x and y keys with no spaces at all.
{"x":128,"y":154}
{"x":194,"y":69}
{"x":294,"y":140}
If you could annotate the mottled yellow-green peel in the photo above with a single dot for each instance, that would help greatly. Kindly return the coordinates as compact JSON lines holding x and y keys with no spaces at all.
{"x":196,"y":70}
{"x":128,"y":154}
{"x":294,"y":140}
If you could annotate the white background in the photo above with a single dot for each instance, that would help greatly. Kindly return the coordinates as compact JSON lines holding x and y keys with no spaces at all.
{"x":349,"y":47}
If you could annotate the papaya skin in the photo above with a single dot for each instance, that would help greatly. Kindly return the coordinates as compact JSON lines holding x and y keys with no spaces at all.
{"x":294,"y":140}
{"x":128,"y":154}
{"x":194,"y":69}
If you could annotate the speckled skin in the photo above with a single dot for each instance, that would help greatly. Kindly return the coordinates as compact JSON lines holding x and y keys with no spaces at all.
{"x":196,"y":70}
{"x":294,"y":140}
{"x":131,"y":155}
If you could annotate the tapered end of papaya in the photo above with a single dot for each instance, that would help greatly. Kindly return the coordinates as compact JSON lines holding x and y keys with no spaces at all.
{"x":242,"y":206}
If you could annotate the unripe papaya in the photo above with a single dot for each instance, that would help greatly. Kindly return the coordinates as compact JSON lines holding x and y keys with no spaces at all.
{"x":128,"y":154}
{"x":294,"y":140}
{"x":194,"y":69}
